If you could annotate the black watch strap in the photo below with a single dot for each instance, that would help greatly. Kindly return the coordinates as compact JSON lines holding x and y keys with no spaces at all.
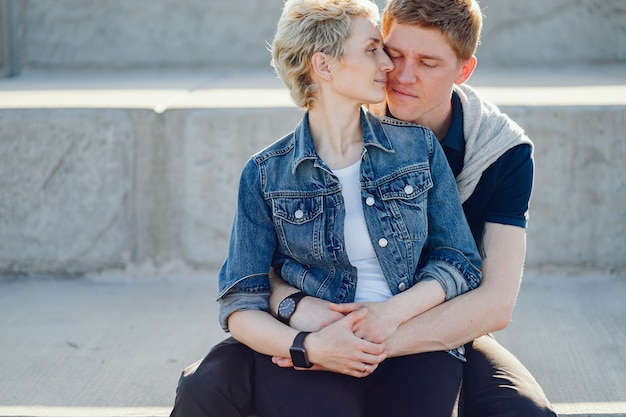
{"x":299,"y":339}
{"x":298,"y":353}
{"x":296,"y":298}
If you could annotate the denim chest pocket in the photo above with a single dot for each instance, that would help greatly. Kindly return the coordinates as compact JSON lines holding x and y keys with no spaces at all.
{"x":405,"y":195}
{"x":298,"y":222}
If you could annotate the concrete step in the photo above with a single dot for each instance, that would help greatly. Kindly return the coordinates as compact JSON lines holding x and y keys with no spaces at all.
{"x":107,"y":170}
{"x":114,"y":344}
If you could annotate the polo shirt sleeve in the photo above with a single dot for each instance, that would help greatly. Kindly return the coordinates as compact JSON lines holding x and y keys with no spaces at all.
{"x":511,"y":180}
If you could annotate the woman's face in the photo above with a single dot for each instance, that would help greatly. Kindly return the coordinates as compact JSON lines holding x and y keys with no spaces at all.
{"x":361,"y":73}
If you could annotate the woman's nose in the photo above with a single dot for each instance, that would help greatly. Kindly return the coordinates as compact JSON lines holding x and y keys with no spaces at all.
{"x":387,"y":65}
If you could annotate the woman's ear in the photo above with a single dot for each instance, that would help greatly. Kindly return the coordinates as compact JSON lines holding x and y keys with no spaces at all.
{"x":320,"y":64}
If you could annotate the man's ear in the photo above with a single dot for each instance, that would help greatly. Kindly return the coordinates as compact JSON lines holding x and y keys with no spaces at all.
{"x":466,"y":70}
{"x":321,"y":66}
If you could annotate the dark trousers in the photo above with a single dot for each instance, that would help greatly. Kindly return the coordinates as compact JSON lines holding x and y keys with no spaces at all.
{"x":424,"y":385}
{"x":496,"y":384}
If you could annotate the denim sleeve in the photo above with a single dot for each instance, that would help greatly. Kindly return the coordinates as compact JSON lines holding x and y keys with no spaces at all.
{"x":450,"y":255}
{"x":243,"y":278}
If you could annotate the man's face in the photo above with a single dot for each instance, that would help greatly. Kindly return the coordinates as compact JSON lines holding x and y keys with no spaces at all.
{"x":426,"y":68}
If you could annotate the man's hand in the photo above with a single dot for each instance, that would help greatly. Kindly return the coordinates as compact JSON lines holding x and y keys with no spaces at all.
{"x":379,"y":323}
{"x":336,"y":349}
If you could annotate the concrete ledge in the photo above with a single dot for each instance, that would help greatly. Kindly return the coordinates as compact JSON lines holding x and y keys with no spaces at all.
{"x":109,"y":170}
{"x":163,"y":90}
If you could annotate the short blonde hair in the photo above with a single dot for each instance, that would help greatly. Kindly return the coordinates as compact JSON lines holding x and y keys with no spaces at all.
{"x":460,"y":21}
{"x":309,"y":26}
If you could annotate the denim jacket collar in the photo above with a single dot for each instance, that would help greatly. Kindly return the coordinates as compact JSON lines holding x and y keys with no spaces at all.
{"x":304,"y":148}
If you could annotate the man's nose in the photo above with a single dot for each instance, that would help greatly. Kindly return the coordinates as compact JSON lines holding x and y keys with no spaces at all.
{"x":405,"y":73}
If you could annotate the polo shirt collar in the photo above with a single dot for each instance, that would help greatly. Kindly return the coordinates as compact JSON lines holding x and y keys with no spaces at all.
{"x":454,"y":137}
{"x":453,"y":143}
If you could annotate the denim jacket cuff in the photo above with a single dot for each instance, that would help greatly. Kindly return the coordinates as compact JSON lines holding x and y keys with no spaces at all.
{"x":233,"y":302}
{"x":452,"y":270}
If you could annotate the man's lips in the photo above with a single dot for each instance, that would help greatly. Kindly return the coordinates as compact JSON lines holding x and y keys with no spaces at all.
{"x":402,"y":92}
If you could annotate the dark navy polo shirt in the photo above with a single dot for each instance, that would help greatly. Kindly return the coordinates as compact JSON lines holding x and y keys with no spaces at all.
{"x":503,"y":192}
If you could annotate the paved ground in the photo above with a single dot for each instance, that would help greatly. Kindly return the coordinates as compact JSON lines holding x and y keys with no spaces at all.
{"x":114,"y":344}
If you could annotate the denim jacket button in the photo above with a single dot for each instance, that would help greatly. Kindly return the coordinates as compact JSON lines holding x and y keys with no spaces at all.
{"x":382,"y":242}
{"x":299,"y":214}
{"x":408,"y":189}
{"x":402,"y":286}
{"x":369,"y":201}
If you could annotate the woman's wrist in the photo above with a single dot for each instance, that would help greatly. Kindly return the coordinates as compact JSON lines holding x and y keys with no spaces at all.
{"x":279,"y":291}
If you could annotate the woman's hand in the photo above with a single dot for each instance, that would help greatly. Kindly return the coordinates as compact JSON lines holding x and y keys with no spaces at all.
{"x":335,"y":348}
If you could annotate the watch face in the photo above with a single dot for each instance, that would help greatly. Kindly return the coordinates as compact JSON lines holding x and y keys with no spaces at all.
{"x":299,"y":358}
{"x":286,"y":308}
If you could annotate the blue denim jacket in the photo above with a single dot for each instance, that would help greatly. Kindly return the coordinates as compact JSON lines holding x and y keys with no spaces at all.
{"x":290,"y":215}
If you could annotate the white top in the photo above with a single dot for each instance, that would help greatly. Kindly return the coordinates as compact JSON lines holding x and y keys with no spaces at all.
{"x":371,"y":283}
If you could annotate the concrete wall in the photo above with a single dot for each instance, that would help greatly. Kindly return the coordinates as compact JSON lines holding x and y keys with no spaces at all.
{"x":140,"y":34}
{"x":553,"y":32}
{"x":578,"y":207}
{"x":68,"y":180}
{"x":5,"y":37}
{"x":84,"y":190}
{"x":4,"y":26}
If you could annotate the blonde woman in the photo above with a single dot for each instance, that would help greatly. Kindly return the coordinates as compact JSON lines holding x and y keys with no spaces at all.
{"x":348,"y":207}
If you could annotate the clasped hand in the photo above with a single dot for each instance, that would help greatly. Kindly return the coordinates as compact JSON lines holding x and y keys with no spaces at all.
{"x":347,"y":338}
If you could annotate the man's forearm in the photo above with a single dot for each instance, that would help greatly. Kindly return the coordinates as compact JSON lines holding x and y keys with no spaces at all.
{"x":468,"y":316}
{"x":444,"y":327}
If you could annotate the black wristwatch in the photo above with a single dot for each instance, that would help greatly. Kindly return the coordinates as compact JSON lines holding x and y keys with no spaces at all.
{"x":288,"y":305}
{"x":298,"y":353}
